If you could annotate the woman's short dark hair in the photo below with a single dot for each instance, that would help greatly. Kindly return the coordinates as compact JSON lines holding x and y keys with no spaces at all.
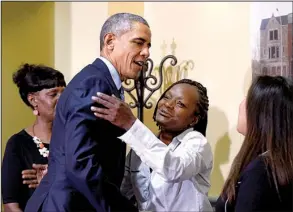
{"x":31,"y":78}
{"x":269,"y":109}
{"x":203,"y":104}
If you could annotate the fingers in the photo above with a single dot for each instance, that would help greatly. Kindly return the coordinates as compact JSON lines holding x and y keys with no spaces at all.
{"x":29,"y":172}
{"x":33,"y":185}
{"x":104,"y":113}
{"x":107,"y":98}
{"x":29,"y":182}
{"x":100,"y":110}
{"x":102,"y":102}
{"x":40,"y":166}
{"x":29,"y":176}
{"x":103,"y":116}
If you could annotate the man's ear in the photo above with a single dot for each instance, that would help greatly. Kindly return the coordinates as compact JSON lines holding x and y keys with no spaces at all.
{"x":109,"y":41}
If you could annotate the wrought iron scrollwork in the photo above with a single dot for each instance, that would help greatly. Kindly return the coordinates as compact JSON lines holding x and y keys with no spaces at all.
{"x":147,"y":80}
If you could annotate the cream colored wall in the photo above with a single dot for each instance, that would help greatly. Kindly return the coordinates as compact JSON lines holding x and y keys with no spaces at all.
{"x":130,"y":7}
{"x":216,"y":37}
{"x":62,"y":37}
{"x":78,"y":26}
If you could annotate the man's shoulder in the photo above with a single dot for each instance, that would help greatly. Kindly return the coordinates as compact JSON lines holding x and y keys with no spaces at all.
{"x":84,"y":88}
{"x":98,"y":67}
{"x":97,"y":70}
{"x":85,"y":84}
{"x":92,"y":76}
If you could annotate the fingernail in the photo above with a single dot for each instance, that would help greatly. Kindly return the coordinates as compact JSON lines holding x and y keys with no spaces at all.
{"x":99,"y":93}
{"x":94,"y":98}
{"x":92,"y":108}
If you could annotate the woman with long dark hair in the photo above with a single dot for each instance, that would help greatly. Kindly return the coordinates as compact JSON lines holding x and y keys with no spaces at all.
{"x":262,"y":172}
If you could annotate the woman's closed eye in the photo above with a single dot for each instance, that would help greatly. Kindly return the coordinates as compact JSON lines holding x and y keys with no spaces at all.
{"x":53,"y":94}
{"x":180,"y":104}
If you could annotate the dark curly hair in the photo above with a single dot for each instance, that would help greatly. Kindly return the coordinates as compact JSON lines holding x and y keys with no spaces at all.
{"x":203,"y":104}
{"x":31,"y":78}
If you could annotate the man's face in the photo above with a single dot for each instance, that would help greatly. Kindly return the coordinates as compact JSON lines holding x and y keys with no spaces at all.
{"x":130,"y":51}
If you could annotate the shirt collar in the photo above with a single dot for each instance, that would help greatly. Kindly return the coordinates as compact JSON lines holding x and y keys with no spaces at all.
{"x":178,"y":139}
{"x":114,"y":73}
{"x":181,"y":136}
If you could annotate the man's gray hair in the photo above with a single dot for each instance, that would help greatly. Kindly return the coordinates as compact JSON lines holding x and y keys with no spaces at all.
{"x":118,"y":24}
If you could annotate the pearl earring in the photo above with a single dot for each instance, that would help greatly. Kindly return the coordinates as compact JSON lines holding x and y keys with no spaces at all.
{"x":35,"y":112}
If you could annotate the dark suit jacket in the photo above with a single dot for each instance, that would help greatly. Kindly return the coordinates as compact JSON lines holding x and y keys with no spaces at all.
{"x":86,"y":161}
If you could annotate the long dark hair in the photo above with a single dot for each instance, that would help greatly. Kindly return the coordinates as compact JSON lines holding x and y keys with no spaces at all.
{"x":269,"y":109}
{"x":203,"y":104}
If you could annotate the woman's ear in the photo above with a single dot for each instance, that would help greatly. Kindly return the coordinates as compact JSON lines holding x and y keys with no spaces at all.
{"x":32,"y":100}
{"x":194,"y":121}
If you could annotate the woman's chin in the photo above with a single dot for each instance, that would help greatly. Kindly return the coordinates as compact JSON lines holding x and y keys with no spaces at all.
{"x":164,"y":125}
{"x":162,"y":121}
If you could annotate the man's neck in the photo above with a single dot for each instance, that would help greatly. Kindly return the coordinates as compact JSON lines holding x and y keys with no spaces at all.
{"x":112,"y":61}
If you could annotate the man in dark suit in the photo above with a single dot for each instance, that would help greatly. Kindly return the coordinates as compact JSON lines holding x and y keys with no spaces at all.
{"x":86,"y":161}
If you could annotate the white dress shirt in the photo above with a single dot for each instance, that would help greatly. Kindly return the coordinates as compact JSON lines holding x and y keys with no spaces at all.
{"x":181,"y":171}
{"x":115,"y":76}
{"x":114,"y":73}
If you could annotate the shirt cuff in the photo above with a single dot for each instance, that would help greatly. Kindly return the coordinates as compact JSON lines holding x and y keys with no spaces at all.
{"x":133,"y":129}
{"x":139,"y":136}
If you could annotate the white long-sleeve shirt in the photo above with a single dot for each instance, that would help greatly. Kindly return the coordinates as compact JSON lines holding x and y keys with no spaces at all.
{"x":181,"y":171}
